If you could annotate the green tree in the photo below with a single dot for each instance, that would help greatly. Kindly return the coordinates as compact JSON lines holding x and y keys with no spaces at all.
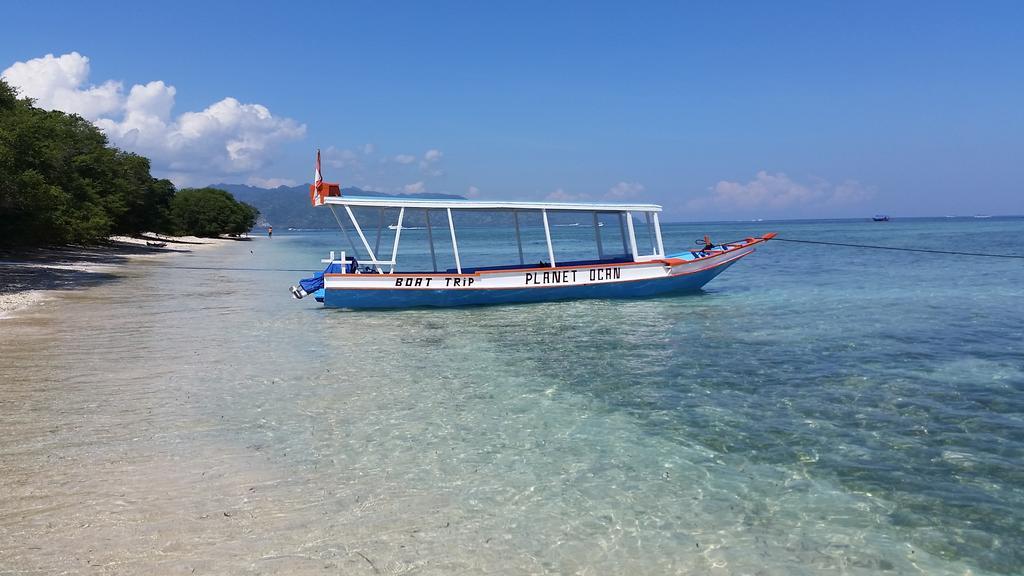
{"x":210,"y":212}
{"x":60,"y":181}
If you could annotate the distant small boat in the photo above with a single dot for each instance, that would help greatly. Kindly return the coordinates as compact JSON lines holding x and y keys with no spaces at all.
{"x":982,"y":215}
{"x":880,"y":218}
{"x":156,"y":244}
{"x":396,"y":227}
{"x":573,"y":224}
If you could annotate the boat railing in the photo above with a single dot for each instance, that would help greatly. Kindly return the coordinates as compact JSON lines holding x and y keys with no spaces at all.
{"x":649,"y":258}
{"x":370,"y":262}
{"x":331,"y":259}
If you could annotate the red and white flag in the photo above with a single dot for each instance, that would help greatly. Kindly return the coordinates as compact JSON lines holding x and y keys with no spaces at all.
{"x":318,"y":181}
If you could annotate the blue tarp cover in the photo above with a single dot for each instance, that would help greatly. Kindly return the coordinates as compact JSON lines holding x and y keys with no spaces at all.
{"x":311,"y":285}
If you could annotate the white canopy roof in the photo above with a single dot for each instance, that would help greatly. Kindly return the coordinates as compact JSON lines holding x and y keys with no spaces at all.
{"x":462,"y":204}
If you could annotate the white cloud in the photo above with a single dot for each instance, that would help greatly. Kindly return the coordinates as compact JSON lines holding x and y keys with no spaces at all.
{"x":269,"y":182}
{"x":340,"y":158}
{"x":472,"y":192}
{"x":770,"y":190}
{"x":363,"y":164}
{"x":774,"y":192}
{"x":226,"y":138}
{"x":430,"y":159}
{"x":55,"y":84}
{"x":560,"y":195}
{"x":851,"y":192}
{"x":624,"y":190}
{"x":414,"y":188}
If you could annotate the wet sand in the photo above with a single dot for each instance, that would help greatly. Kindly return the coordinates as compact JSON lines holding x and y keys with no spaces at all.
{"x":29,"y":276}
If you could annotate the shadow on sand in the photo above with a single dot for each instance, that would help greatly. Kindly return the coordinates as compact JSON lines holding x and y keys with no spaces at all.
{"x":66,"y":268}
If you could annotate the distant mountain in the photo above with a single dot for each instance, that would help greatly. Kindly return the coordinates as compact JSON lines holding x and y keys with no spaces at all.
{"x":289,"y":207}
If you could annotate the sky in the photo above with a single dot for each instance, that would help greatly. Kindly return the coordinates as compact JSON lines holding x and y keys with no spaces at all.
{"x":716,"y":110}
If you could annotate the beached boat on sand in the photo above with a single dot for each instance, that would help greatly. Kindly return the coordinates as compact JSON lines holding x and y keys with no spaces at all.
{"x":638,"y":269}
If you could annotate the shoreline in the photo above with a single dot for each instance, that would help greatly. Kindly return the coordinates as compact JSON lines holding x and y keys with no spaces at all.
{"x":31,"y":276}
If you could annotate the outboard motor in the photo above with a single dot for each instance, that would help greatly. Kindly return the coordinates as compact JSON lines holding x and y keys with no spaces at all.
{"x":310,"y":285}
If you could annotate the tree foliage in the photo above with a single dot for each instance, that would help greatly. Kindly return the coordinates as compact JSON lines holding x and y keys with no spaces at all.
{"x":210,"y":212}
{"x":61,"y":182}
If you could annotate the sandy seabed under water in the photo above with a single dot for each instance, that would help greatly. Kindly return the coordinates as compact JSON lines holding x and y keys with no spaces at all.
{"x":178,"y":421}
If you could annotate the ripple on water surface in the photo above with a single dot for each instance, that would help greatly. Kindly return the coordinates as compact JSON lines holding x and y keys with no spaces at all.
{"x":810,"y":413}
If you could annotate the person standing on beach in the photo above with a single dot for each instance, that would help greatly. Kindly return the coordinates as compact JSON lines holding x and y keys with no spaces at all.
{"x":270,"y":231}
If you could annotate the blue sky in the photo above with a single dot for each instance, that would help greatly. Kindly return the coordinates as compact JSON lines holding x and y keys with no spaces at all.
{"x":715,"y":110}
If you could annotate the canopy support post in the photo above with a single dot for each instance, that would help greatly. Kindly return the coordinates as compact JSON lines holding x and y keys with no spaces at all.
{"x":597,"y":236}
{"x":398,"y":234}
{"x":622,"y":229}
{"x":380,"y":230}
{"x":344,"y":231}
{"x":519,"y":240}
{"x":650,"y":232}
{"x":632,"y":235}
{"x":455,"y":245}
{"x":547,"y":236}
{"x":362,"y":237}
{"x":657,"y":235}
{"x":430,"y":239}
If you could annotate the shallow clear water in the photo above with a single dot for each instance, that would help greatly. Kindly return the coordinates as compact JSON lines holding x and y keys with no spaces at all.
{"x":815,"y":410}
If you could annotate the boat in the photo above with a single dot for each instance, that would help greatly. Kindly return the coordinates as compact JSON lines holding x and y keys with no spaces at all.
{"x":880,"y":218}
{"x":627,"y":264}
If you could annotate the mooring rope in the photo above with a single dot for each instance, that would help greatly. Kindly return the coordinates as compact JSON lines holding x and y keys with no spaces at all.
{"x":227,"y":269}
{"x":821,"y":242}
{"x":900,"y":249}
{"x":57,"y":263}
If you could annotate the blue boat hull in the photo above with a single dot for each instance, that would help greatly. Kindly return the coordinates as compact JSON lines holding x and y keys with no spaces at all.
{"x":385,"y":298}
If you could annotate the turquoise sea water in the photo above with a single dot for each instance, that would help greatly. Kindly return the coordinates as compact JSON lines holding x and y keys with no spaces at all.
{"x":816,"y":410}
